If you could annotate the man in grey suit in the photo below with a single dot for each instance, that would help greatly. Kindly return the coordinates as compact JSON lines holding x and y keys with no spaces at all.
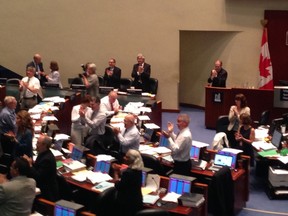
{"x":17,"y":195}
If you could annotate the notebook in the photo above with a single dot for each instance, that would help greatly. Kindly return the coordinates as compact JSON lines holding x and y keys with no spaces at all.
{"x":77,"y":153}
{"x":102,"y":166}
{"x":221,"y":160}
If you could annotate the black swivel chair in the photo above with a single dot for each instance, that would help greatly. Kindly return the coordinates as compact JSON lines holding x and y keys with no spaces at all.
{"x":153,"y":85}
{"x":76,"y":80}
{"x":125,"y":83}
{"x":101,"y":80}
{"x":106,"y":202}
{"x":222,"y":123}
{"x":264,"y":119}
{"x":152,"y":212}
{"x":153,"y":163}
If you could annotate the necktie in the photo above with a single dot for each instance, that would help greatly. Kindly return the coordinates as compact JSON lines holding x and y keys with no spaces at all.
{"x":25,"y":89}
{"x":93,"y":115}
{"x":112,"y":108}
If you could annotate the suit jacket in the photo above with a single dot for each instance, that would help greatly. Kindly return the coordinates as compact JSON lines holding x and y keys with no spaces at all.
{"x":129,"y":196}
{"x":141,"y":81}
{"x":45,"y":173}
{"x":17,"y":196}
{"x":41,"y":78}
{"x":220,"y":80}
{"x":114,"y":80}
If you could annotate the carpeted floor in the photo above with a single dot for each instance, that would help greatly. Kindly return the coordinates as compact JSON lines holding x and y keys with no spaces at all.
{"x":259,"y":204}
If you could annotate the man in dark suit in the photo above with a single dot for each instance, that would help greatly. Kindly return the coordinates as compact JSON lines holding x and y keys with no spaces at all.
{"x":141,"y":74}
{"x":44,"y":169}
{"x":38,"y":65}
{"x":218,"y":75}
{"x":112,"y":74}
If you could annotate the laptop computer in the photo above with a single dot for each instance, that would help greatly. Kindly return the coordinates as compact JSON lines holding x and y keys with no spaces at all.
{"x":221,"y":160}
{"x":234,"y":158}
{"x":276,"y":138}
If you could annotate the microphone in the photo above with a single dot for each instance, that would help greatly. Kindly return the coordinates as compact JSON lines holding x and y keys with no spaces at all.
{"x":156,"y":183}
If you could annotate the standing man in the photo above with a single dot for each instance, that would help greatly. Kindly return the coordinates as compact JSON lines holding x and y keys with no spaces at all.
{"x":29,"y":88}
{"x":112,"y":74}
{"x":129,"y":137}
{"x":141,"y":74}
{"x":43,"y":170}
{"x":218,"y":75}
{"x":39,"y":70}
{"x":7,"y":125}
{"x":17,"y":195}
{"x":90,"y":80}
{"x":95,"y":119}
{"x":180,"y":144}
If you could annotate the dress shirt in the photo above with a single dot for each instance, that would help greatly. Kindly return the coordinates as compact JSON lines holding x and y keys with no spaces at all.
{"x":96,"y":120}
{"x":33,"y":83}
{"x":107,"y":105}
{"x":17,"y":196}
{"x":180,"y":145}
{"x":7,"y":120}
{"x":129,"y":139}
{"x":93,"y":89}
{"x":54,"y":77}
{"x":77,"y":121}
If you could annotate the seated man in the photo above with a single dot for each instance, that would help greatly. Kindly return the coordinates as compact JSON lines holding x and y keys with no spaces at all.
{"x":17,"y":195}
{"x":43,"y":170}
{"x":110,"y":102}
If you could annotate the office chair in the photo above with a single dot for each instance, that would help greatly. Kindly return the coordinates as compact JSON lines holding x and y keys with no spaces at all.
{"x":13,"y":81}
{"x":222,"y":123}
{"x":153,"y":163}
{"x":125,"y":83}
{"x":101,"y":80}
{"x":153,"y":85}
{"x":220,"y":141}
{"x":76,"y":80}
{"x":106,"y":202}
{"x":110,"y":141}
{"x":264,"y":119}
{"x":152,"y":212}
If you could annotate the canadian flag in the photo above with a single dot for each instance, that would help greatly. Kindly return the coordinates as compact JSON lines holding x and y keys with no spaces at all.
{"x":265,"y":65}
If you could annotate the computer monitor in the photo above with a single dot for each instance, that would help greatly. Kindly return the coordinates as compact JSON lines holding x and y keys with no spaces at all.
{"x":276,"y":138}
{"x":180,"y":184}
{"x":105,"y":89}
{"x":194,"y":153}
{"x":66,"y":208}
{"x":275,"y":125}
{"x":51,"y":85}
{"x":102,"y":166}
{"x":164,"y":142}
{"x":77,"y":153}
{"x":148,"y":134}
{"x":234,"y":158}
{"x":134,"y":91}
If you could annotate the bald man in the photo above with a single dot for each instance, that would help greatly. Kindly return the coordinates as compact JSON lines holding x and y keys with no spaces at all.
{"x":110,"y":102}
{"x":39,"y":70}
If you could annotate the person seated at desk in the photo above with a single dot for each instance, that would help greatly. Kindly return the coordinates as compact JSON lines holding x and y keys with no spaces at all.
{"x":29,"y":88}
{"x":54,"y":76}
{"x":218,"y":75}
{"x":129,"y":137}
{"x":90,"y":80}
{"x":180,"y":144}
{"x":246,"y":136}
{"x":17,"y":195}
{"x":95,"y":119}
{"x":128,"y":184}
{"x":234,"y":117}
{"x":112,"y":74}
{"x":78,"y":128}
{"x":43,"y":170}
{"x":141,"y":74}
{"x":110,"y":102}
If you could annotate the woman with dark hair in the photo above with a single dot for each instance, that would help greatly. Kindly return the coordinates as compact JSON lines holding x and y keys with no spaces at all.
{"x":246,"y":136}
{"x":54,"y":76}
{"x":236,"y":110}
{"x":129,"y":196}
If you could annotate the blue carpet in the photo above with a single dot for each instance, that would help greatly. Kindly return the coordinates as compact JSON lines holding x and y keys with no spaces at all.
{"x":258,"y":200}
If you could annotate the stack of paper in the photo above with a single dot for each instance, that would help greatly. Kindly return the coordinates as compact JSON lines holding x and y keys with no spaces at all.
{"x":102,"y":186}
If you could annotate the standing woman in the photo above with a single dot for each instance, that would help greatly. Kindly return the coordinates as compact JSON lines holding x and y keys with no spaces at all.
{"x":246,"y":136}
{"x":24,"y":134}
{"x":236,"y":110}
{"x":54,"y":76}
{"x":129,"y":196}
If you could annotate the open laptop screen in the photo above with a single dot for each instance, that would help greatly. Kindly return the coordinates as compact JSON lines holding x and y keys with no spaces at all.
{"x":148,"y":134}
{"x":77,"y":153}
{"x":194,"y":153}
{"x":234,"y":158}
{"x":102,"y":166}
{"x":223,"y":160}
{"x":276,"y":138}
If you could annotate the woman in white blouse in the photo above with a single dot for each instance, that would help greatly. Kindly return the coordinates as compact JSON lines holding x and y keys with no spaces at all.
{"x":54,"y":76}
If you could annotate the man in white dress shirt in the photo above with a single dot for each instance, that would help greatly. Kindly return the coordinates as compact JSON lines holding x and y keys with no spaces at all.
{"x":110,"y":102}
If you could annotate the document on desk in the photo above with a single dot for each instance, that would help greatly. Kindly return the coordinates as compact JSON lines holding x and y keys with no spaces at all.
{"x":199,"y":144}
{"x":268,"y":153}
{"x":97,"y":177}
{"x":103,"y":186}
{"x":283,"y":159}
{"x":263,"y":145}
{"x":151,"y":126}
{"x":232,"y":150}
{"x":150,"y":199}
{"x":50,"y":118}
{"x":143,"y":118}
{"x":61,"y":137}
{"x":171,"y":197}
{"x":162,"y":150}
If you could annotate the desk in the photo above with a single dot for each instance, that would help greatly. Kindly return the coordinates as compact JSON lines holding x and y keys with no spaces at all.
{"x":258,"y":101}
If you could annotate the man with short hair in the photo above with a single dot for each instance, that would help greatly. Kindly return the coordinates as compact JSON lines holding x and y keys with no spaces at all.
{"x":110,"y":102}
{"x":218,"y":75}
{"x":180,"y":144}
{"x":29,"y":88}
{"x":39,"y":70}
{"x":91,"y":81}
{"x":129,"y":137}
{"x":112,"y":74}
{"x":17,"y":195}
{"x":43,"y":170}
